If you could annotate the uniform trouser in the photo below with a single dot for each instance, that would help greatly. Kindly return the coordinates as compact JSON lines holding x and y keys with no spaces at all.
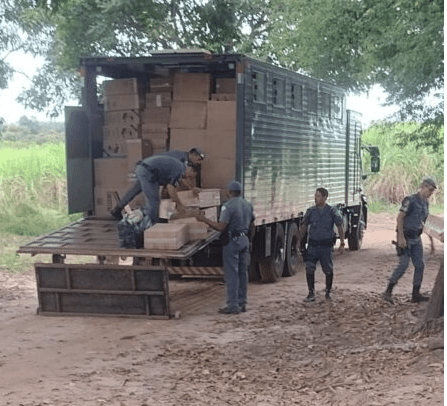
{"x":322,"y":254}
{"x":413,"y":251}
{"x":151,"y":189}
{"x":236,"y":259}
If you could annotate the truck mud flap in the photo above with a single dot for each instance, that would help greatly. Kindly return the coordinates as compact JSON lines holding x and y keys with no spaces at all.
{"x":102,"y":290}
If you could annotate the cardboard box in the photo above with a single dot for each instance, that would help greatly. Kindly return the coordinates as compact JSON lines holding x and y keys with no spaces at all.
{"x":156,"y":115}
{"x":226,"y":85}
{"x":188,"y":198}
{"x":210,"y":213}
{"x":137,"y":150}
{"x":123,"y":118}
{"x":184,"y":139}
{"x":166,"y":236}
{"x":159,"y":99}
{"x":164,"y":84}
{"x":120,"y":86}
{"x":122,"y":102}
{"x":218,"y":172}
{"x":221,"y":115}
{"x":120,"y":132}
{"x":197,"y":230}
{"x":188,"y":114}
{"x":166,"y":208}
{"x":111,"y":172}
{"x":113,"y":147}
{"x":220,"y":144}
{"x":209,"y":197}
{"x":192,"y":86}
{"x":154,"y":130}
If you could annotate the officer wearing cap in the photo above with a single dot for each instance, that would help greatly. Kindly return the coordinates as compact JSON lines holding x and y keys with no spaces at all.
{"x":151,"y":173}
{"x":192,"y":160}
{"x":413,"y":212}
{"x":236,"y":219}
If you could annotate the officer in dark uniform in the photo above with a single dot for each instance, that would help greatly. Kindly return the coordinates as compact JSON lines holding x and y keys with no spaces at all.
{"x":236,"y":219}
{"x":410,"y":223}
{"x":152,"y":173}
{"x":320,"y":220}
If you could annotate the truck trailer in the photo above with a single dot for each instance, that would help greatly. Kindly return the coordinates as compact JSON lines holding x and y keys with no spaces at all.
{"x":280,"y":133}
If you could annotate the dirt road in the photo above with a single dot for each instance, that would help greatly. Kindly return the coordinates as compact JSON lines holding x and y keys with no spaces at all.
{"x":353,"y":350}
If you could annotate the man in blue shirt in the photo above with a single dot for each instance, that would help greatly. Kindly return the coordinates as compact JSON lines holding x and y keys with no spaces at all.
{"x":236,"y":219}
{"x":152,"y":173}
{"x":410,"y":223}
{"x":319,"y":221}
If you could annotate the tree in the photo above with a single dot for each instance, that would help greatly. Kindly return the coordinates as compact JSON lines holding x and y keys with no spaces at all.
{"x":355,"y":44}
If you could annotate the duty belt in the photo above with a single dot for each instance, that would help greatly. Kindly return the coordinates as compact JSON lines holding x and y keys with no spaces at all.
{"x":236,"y":234}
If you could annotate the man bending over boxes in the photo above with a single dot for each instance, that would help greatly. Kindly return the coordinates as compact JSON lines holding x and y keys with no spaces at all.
{"x":151,"y":173}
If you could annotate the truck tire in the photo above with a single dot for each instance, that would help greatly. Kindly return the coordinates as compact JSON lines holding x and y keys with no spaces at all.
{"x":294,"y":260}
{"x":271,"y":268}
{"x":253,"y":271}
{"x":355,"y":238}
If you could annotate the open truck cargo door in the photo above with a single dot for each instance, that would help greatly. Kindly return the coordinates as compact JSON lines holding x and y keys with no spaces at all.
{"x":79,"y":161}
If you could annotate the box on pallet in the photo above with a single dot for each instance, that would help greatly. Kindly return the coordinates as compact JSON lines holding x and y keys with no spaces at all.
{"x":197,"y":230}
{"x":166,"y":236}
{"x":192,"y":86}
{"x":120,"y":86}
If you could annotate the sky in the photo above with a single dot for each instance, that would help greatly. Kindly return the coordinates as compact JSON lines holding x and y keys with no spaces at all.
{"x":370,"y":105}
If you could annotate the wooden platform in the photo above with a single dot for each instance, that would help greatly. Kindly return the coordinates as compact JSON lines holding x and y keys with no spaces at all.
{"x":98,"y":237}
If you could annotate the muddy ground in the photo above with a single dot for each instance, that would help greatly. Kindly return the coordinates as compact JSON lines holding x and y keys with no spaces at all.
{"x":353,"y":350}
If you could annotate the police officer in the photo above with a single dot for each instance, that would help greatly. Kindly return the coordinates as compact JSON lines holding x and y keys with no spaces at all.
{"x":410,"y":223}
{"x":191,"y":159}
{"x":236,"y":219}
{"x":152,"y":173}
{"x":320,"y":220}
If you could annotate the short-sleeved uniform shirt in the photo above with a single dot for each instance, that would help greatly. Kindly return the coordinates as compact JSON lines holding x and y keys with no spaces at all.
{"x":321,"y":222}
{"x":238,"y":214}
{"x":416,"y":212}
{"x":182,"y":156}
{"x":165,"y":169}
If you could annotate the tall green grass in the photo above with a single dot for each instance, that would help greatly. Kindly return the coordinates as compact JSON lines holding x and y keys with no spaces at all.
{"x":33,"y":197}
{"x":402,"y":168}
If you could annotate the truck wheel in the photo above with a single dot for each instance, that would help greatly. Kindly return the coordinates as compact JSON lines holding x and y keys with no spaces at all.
{"x":355,"y":238}
{"x":271,"y":268}
{"x":294,"y":260}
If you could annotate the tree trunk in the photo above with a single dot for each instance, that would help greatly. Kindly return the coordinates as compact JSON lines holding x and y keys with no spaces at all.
{"x":435,"y":307}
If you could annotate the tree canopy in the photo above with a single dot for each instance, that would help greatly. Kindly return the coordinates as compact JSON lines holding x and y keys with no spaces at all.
{"x":352,"y":43}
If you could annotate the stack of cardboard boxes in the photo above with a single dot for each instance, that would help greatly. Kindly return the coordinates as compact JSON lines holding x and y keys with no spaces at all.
{"x":179,"y":231}
{"x":167,"y":113}
{"x":156,"y":115}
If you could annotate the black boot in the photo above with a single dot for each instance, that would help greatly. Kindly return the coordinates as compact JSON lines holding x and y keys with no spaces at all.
{"x":416,"y":297}
{"x":329,"y":279}
{"x":387,"y":294}
{"x":310,"y":277}
{"x":116,"y":212}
